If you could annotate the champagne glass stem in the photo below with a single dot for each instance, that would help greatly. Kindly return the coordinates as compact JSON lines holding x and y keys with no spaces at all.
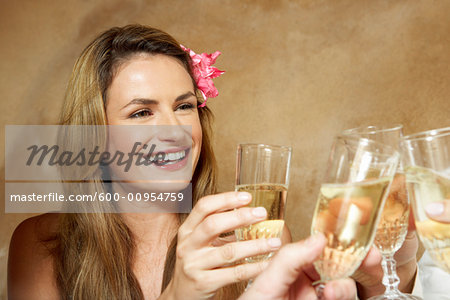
{"x":390,"y":277}
{"x":391,"y":281}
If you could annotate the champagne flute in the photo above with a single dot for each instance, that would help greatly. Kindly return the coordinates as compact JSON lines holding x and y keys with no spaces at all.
{"x":263,"y":171}
{"x":427,"y":167}
{"x":393,"y":225}
{"x":351,"y":197}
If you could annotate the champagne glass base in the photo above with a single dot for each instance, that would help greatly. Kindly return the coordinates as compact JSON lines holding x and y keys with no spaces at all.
{"x":395,"y":296}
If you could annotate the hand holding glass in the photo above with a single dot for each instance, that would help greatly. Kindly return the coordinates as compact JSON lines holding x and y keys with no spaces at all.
{"x":427,"y":167}
{"x":348,"y":208}
{"x":393,"y":225}
{"x":263,"y":171}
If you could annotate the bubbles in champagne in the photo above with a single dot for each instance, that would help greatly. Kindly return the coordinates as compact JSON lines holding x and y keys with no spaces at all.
{"x":435,"y":237}
{"x":273,"y":198}
{"x":393,"y":226}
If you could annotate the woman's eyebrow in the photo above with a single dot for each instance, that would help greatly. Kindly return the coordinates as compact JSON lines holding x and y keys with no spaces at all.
{"x":184,"y":96}
{"x":140,"y":101}
{"x":145,"y":101}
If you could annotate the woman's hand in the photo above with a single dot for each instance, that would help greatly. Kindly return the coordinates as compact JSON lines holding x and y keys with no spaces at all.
{"x":289,"y":275}
{"x":202,"y":268}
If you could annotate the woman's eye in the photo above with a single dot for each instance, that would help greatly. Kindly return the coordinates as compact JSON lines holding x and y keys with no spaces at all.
{"x":185,"y":106}
{"x":141,"y":114}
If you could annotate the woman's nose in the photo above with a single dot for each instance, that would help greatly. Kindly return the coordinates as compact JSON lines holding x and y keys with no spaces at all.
{"x":171,"y":133}
{"x":167,"y":117}
{"x":170,"y":129}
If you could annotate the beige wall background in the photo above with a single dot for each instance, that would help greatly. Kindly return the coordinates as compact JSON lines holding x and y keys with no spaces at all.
{"x":298,"y":72}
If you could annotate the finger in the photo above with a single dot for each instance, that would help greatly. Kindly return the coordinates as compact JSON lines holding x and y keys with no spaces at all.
{"x":286,"y":266}
{"x":372,"y":259}
{"x":311,"y":272}
{"x":225,"y":276}
{"x":208,"y":230}
{"x":342,"y":289}
{"x":408,"y":250}
{"x":222,"y":240}
{"x":439,"y":211}
{"x":232,"y":252}
{"x":211,"y":204}
{"x":215,"y":224}
{"x":370,"y":272}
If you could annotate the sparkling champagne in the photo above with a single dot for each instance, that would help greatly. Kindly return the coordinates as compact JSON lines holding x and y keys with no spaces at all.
{"x":347,"y":215}
{"x":393,"y":225}
{"x":426,"y":186}
{"x":273,"y":198}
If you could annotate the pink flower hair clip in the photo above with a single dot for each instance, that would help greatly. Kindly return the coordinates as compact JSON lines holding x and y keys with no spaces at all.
{"x":204,"y":72}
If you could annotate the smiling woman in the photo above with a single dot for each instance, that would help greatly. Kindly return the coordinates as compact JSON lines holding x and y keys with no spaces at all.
{"x":137,"y":75}
{"x":155,"y":90}
{"x":138,"y":78}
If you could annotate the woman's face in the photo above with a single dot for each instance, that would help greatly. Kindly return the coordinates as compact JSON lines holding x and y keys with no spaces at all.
{"x":155,"y":90}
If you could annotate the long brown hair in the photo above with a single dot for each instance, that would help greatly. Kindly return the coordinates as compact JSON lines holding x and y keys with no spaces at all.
{"x":94,"y":252}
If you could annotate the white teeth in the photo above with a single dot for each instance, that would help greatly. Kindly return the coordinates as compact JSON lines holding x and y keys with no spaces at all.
{"x":173,"y":156}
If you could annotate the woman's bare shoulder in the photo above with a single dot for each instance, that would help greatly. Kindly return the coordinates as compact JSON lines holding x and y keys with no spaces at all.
{"x":30,"y":264}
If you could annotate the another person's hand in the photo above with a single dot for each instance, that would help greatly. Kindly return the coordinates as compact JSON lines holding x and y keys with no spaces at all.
{"x":202,"y":267}
{"x":369,"y":275}
{"x":288,"y":275}
{"x":439,"y":211}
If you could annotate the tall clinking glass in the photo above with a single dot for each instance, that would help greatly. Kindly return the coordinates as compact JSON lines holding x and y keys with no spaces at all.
{"x":393,"y":225}
{"x":351,"y":197}
{"x":263,"y":171}
{"x":427,"y":168}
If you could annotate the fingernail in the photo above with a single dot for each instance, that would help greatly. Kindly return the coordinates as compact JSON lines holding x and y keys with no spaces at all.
{"x":435,"y":209}
{"x":243,"y":196}
{"x":259,"y":212}
{"x":274,"y":242}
